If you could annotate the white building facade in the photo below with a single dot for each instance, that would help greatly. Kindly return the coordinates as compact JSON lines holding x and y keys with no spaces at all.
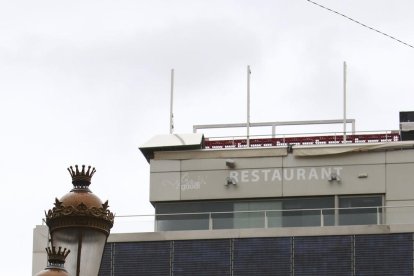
{"x":315,"y":205}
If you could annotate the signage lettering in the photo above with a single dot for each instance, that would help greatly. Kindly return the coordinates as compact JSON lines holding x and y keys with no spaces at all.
{"x":286,"y":174}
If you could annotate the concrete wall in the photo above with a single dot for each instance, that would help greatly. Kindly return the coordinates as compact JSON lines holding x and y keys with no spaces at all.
{"x":40,"y":242}
{"x":359,"y":173}
{"x":203,"y":175}
{"x":400,"y":186}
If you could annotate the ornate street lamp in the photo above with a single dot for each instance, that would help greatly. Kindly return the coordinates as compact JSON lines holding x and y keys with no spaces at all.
{"x":81,"y":223}
{"x":55,"y":263}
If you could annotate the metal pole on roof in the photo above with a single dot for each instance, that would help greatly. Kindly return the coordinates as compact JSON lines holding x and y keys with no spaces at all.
{"x":171,"y":103}
{"x":344,"y":102}
{"x":248,"y":105}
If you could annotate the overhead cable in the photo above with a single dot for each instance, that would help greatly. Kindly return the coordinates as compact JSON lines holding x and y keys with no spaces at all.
{"x":362,"y":24}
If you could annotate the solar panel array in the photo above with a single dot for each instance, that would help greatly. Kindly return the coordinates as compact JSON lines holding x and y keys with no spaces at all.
{"x":262,"y":256}
{"x":201,"y":257}
{"x":388,"y":254}
{"x":330,"y":255}
{"x":384,"y":255}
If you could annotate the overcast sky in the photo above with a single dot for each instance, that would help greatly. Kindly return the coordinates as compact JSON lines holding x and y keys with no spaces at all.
{"x":87,"y":82}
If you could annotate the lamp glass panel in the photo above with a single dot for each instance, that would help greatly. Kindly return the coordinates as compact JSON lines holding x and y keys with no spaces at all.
{"x":91,"y":250}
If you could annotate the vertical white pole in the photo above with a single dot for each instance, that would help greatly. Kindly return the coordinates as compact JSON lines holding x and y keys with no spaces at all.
{"x":344,"y":101}
{"x":248,"y":105}
{"x":378,"y":216}
{"x":336,"y":212}
{"x":171,"y":103}
{"x":322,"y":218}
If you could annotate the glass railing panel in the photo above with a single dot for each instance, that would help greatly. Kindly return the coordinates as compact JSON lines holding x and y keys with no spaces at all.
{"x":222,"y":220}
{"x":266,"y":219}
{"x":301,"y":218}
{"x":399,"y":215}
{"x":238,"y":220}
{"x":360,"y":216}
{"x":249,"y":220}
{"x":182,"y":222}
{"x":274,"y":218}
{"x":328,"y":217}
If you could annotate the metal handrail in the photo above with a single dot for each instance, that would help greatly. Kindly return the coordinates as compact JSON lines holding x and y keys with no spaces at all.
{"x":382,"y":216}
{"x":264,"y":210}
{"x":304,"y":134}
{"x":268,"y":210}
{"x":275,"y":124}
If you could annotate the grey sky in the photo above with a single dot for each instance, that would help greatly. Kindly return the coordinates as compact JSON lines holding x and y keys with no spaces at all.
{"x":88,"y":82}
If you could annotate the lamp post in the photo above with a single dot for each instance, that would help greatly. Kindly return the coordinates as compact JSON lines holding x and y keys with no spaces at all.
{"x":81,"y":223}
{"x":55,"y":262}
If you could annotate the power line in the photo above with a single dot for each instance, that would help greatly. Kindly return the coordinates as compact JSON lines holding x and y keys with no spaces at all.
{"x":362,"y":24}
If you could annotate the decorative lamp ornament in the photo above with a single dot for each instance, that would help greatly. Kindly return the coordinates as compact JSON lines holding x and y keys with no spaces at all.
{"x":82,"y":223}
{"x":55,"y":263}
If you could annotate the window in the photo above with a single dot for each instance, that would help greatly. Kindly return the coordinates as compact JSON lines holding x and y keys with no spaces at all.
{"x":282,"y":212}
{"x":250,"y":214}
{"x":310,"y":213}
{"x":358,"y":210}
{"x":190,"y":215}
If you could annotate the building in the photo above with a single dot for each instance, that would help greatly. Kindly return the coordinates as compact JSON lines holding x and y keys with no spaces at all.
{"x":300,"y":205}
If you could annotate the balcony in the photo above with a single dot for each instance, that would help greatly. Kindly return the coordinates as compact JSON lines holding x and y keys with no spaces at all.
{"x":265,"y":219}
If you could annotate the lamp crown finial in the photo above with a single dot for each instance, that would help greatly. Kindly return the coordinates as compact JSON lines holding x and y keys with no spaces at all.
{"x":57,"y":256}
{"x":82,"y":177}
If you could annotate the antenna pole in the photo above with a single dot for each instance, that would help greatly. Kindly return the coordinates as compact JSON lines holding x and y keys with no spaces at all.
{"x":344,"y":102}
{"x":248,"y":105}
{"x":171,"y":103}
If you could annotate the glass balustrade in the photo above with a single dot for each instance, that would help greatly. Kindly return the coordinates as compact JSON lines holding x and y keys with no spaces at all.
{"x":267,"y":219}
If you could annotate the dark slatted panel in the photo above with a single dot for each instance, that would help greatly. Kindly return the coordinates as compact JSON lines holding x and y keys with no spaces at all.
{"x":262,"y":256}
{"x":141,"y":258}
{"x":325,"y":255}
{"x":390,"y":254}
{"x":201,"y":257}
{"x":105,"y":269}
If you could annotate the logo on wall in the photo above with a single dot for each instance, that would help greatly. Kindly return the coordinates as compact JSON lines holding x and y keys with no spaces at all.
{"x":186,"y":182}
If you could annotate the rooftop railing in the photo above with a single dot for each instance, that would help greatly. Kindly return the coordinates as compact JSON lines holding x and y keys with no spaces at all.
{"x":327,"y":138}
{"x":376,"y":215}
{"x":280,"y":139}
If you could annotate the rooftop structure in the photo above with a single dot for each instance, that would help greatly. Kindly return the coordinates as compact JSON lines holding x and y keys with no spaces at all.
{"x":290,"y":181}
